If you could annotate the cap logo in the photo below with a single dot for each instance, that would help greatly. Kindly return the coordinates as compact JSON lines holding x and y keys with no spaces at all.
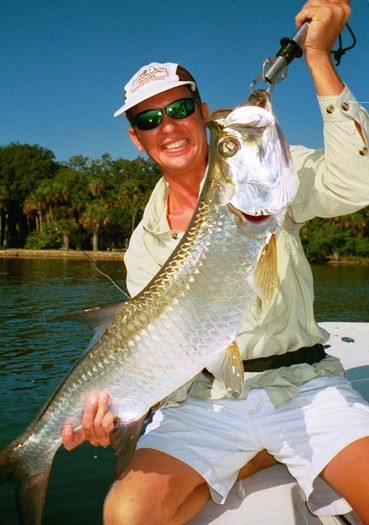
{"x":148,"y":75}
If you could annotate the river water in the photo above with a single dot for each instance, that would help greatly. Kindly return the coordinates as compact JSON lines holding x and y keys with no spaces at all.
{"x":35,"y":354}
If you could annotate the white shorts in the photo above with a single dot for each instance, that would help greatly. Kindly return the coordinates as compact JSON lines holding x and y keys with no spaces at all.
{"x":218,"y":437}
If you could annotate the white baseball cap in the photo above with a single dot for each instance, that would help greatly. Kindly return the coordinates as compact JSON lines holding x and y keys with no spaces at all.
{"x":153,"y":79}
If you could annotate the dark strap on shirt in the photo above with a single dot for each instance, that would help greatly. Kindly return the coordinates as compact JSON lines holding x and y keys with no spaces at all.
{"x":306,"y":354}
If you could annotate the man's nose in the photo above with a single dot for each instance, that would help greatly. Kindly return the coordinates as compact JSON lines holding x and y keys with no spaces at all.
{"x":168,"y":122}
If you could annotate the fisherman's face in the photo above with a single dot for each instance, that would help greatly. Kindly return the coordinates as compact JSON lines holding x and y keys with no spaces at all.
{"x":175,"y":145}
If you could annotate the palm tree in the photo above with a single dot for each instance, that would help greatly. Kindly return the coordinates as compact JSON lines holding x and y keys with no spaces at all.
{"x":92,"y":218}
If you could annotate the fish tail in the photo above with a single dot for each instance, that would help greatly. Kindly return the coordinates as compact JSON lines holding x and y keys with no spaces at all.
{"x":30,"y":489}
{"x":5,"y":466}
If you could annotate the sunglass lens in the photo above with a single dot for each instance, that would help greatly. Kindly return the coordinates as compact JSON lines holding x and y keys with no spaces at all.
{"x":181,"y":108}
{"x":178,"y":109}
{"x":148,"y":119}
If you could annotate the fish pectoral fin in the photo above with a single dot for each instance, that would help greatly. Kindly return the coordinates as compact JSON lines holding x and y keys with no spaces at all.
{"x":229,"y":368}
{"x":95,"y":318}
{"x":264,"y":278}
{"x":123,"y":438}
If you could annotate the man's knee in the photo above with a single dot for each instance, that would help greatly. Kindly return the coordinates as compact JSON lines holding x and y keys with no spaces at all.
{"x":123,"y":506}
{"x":112,"y":508}
{"x":119,"y":508}
{"x":158,"y":489}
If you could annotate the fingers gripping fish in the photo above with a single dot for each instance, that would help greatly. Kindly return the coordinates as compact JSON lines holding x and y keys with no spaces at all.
{"x":188,"y":316}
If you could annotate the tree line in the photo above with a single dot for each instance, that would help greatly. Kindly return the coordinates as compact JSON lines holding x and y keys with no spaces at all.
{"x":95,"y":204}
{"x":79,"y":204}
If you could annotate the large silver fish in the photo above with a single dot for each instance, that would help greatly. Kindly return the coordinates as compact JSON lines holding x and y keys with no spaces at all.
{"x":188,"y":316}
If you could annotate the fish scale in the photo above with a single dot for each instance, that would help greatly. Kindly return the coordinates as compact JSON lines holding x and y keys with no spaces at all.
{"x":192,"y":311}
{"x":187,"y":317}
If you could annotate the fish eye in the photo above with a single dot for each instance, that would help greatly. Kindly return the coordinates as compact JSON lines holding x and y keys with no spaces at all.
{"x":228,"y":146}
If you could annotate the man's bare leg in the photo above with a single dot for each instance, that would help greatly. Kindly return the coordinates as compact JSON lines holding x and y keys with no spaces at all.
{"x":162,"y":490}
{"x":348,"y":474}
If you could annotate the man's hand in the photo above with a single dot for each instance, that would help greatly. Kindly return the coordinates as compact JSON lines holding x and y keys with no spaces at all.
{"x":97,"y":424}
{"x":328,"y":18}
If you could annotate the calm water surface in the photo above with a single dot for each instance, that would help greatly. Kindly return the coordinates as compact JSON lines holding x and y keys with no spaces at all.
{"x":35,"y":354}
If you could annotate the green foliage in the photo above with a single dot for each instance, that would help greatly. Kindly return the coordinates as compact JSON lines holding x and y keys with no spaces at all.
{"x":85,"y":203}
{"x":22,"y":167}
{"x":48,"y":239}
{"x":81,"y":203}
{"x":337,"y":238}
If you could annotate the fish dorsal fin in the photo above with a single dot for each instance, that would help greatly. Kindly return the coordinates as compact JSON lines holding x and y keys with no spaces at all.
{"x":220,"y":113}
{"x":264,"y":278}
{"x":124,"y":439}
{"x":228,"y":367}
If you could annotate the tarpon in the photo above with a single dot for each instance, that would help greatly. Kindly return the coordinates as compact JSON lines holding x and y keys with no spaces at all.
{"x":188,"y":316}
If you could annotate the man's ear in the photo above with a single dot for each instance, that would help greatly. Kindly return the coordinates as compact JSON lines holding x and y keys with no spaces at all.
{"x":136,"y":141}
{"x":205,"y":111}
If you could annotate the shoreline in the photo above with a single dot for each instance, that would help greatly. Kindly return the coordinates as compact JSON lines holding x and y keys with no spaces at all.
{"x":22,"y":253}
{"x":60,"y":254}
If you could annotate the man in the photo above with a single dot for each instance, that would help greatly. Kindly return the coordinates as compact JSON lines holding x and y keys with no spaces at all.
{"x":307,"y":416}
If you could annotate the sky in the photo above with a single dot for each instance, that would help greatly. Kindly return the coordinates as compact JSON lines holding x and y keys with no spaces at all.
{"x":64,"y":64}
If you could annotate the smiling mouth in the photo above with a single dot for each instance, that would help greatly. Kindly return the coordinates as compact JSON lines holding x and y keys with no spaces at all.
{"x":176,"y":144}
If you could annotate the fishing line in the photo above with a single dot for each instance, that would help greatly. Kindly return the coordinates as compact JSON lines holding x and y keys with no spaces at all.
{"x":97,"y":268}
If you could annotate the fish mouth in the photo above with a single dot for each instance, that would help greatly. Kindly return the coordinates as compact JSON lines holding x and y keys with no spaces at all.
{"x":255,"y":218}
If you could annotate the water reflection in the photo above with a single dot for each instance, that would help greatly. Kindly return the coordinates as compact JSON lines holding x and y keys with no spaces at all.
{"x":34,"y":355}
{"x":341,"y":292}
{"x":34,"y":352}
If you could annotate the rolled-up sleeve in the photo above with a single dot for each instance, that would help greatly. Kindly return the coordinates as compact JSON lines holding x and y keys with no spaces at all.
{"x":334,"y":180}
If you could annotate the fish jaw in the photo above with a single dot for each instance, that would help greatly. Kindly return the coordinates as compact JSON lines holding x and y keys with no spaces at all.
{"x":250,"y":158}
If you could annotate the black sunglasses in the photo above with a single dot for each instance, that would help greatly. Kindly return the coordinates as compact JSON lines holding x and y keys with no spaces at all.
{"x":152,"y":118}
